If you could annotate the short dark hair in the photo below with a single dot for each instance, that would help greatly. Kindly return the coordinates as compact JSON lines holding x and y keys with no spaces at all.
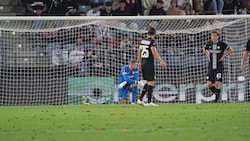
{"x":96,"y":4}
{"x":108,"y":3}
{"x":122,"y":1}
{"x":151,"y":31}
{"x":159,"y":1}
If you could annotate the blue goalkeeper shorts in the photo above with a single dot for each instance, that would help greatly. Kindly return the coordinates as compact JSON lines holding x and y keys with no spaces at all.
{"x":122,"y":93}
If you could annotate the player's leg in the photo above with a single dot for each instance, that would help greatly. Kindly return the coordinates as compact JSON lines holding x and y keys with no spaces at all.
{"x":211,"y":86}
{"x":210,"y":81}
{"x":218,"y":90}
{"x":144,"y":90}
{"x":150,"y":88}
{"x":218,"y":86}
{"x":150,"y":77}
{"x":134,"y":93}
{"x":122,"y":95}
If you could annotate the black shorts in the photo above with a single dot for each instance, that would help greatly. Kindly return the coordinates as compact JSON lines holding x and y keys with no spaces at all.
{"x":214,"y":75}
{"x":148,"y":73}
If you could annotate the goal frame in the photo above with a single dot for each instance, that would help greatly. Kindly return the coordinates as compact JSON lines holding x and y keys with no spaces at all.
{"x":183,"y":88}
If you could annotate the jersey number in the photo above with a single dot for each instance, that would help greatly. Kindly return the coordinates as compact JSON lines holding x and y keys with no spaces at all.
{"x":218,"y":75}
{"x":145,"y":51}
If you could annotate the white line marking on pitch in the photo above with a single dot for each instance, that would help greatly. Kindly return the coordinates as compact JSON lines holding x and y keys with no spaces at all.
{"x":113,"y":130}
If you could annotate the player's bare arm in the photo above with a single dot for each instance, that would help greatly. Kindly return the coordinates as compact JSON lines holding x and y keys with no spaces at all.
{"x":243,"y":60}
{"x":157,"y":56}
{"x":206,"y":52}
{"x":229,"y":51}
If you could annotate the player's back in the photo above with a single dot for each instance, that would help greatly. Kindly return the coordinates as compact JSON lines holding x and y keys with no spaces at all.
{"x":146,"y":54}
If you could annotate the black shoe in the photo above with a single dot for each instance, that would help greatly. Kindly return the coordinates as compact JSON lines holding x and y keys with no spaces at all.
{"x":217,"y":98}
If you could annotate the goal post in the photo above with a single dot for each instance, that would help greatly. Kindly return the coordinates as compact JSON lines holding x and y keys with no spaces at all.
{"x":71,"y":60}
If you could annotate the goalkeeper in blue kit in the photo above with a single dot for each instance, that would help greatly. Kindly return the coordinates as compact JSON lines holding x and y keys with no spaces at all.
{"x":128,"y":80}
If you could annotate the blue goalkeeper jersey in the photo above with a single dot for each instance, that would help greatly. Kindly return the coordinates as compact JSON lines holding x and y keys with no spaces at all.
{"x":131,"y":76}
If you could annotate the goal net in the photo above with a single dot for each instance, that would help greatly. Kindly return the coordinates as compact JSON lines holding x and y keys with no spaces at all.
{"x":75,"y":60}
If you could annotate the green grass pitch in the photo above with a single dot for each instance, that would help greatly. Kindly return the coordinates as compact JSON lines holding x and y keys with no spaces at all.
{"x":168,"y":122}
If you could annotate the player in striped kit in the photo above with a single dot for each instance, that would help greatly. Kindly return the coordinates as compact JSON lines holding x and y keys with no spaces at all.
{"x":214,"y":50}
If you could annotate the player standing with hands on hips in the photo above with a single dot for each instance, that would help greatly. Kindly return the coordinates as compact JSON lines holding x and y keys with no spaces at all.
{"x":214,"y":50}
{"x":146,"y":54}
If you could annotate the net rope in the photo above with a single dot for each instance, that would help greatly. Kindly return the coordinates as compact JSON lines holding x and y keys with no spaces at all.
{"x":38,"y":66}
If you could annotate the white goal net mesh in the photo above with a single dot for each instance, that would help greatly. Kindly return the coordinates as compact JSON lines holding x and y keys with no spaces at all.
{"x":54,"y":61}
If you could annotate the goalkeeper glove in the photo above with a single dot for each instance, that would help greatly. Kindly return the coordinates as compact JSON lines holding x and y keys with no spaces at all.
{"x":121,"y":85}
